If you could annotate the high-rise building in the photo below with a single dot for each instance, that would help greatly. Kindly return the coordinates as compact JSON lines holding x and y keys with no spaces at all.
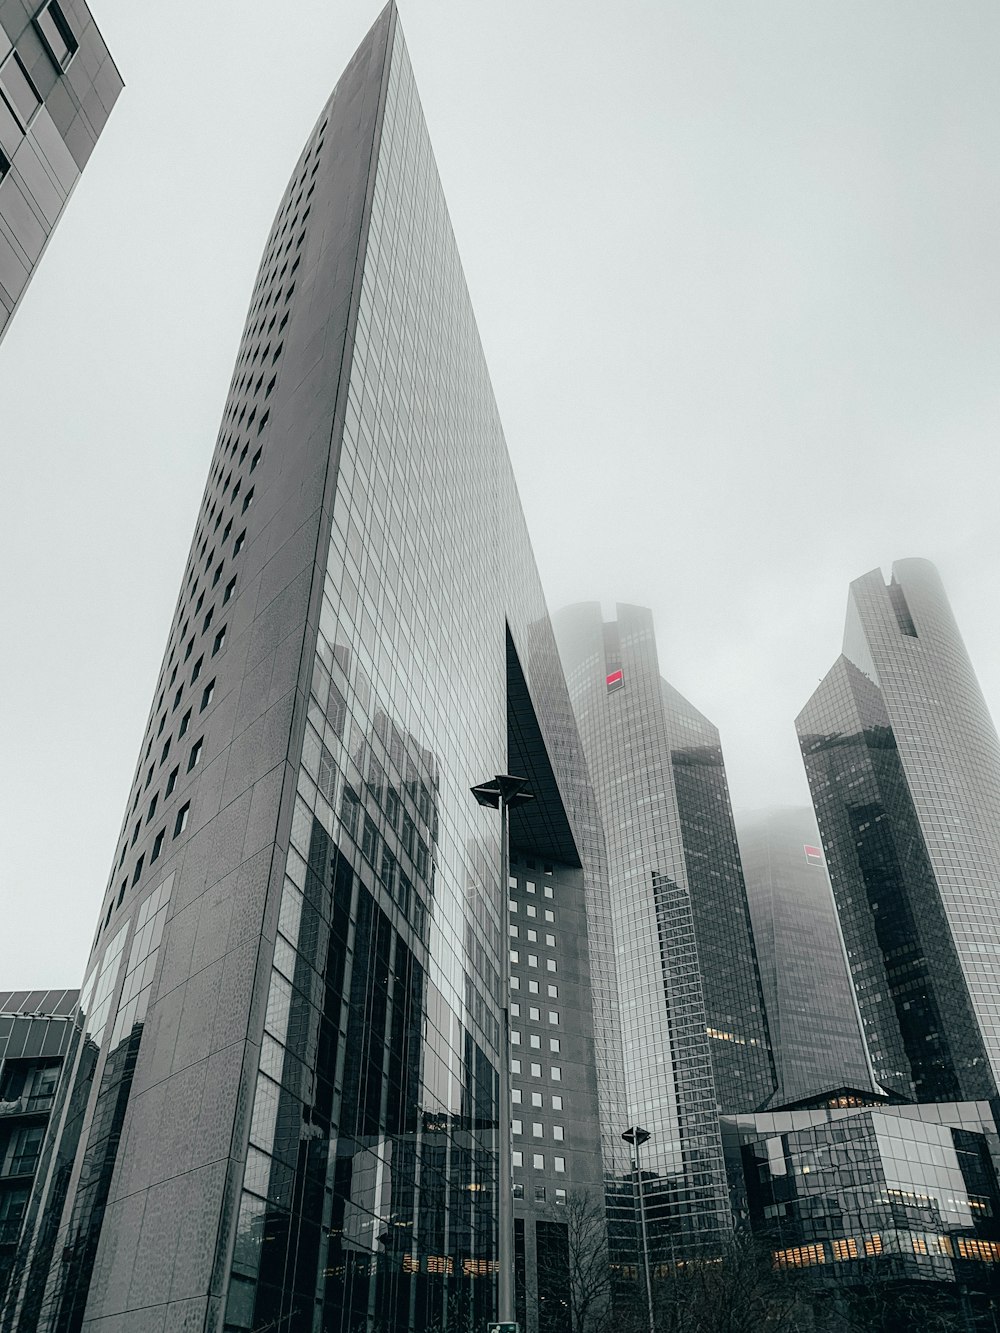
{"x":58,"y":84}
{"x":811,"y":1010}
{"x":694,"y":1030}
{"x":904,"y":766}
{"x":292,"y":1009}
{"x":36,"y":1035}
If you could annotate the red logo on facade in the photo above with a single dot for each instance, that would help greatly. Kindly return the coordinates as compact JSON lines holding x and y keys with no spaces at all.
{"x":615,"y":681}
{"x":814,"y":855}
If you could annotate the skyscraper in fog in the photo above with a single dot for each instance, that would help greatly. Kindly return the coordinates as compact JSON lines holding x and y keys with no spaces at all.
{"x":286,"y":1100}
{"x":693,"y":1024}
{"x":811,"y":1011}
{"x":904,"y":766}
{"x":58,"y":84}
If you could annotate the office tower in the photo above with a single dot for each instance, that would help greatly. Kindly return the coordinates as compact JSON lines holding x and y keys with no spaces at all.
{"x":58,"y":85}
{"x":693,"y":1026}
{"x":292,"y":1005}
{"x":904,"y":767}
{"x":36,"y":1034}
{"x":877,"y":1198}
{"x":811,"y":1011}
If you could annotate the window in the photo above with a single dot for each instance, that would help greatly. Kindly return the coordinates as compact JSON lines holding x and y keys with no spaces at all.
{"x":18,"y":90}
{"x":189,"y":649}
{"x":532,"y":936}
{"x":536,"y":1099}
{"x":560,"y":1165}
{"x":230,"y":589}
{"x":177,"y":699}
{"x":240,"y":542}
{"x":532,"y":987}
{"x":515,"y":1127}
{"x":515,"y":983}
{"x":152,"y":810}
{"x":533,"y":1013}
{"x":539,"y":1194}
{"x":195,"y":756}
{"x":538,"y":1161}
{"x":548,"y":891}
{"x":207,"y":695}
{"x":220,"y":641}
{"x":180,"y":823}
{"x":515,"y":1096}
{"x":518,"y":1190}
{"x":138,"y":870}
{"x":560,"y":1197}
{"x":518,"y":1158}
{"x":531,"y":910}
{"x":157,"y":846}
{"x":536,"y":1070}
{"x":218,"y":573}
{"x":196,"y":669}
{"x":515,"y":1010}
{"x":514,"y":956}
{"x":554,"y":1046}
{"x":553,"y":992}
{"x":550,"y":964}
{"x":532,"y":959}
{"x":558,"y":1133}
{"x":56,"y":34}
{"x":172,"y":782}
{"x":553,"y":1016}
{"x":536,"y":1130}
{"x":550,"y":916}
{"x":556,"y":1102}
{"x":515,"y":1037}
{"x":556,"y":1074}
{"x":513,"y":932}
{"x":550,"y":941}
{"x":4,"y":166}
{"x":536,"y":1042}
{"x":247,"y":500}
{"x":256,"y":458}
{"x":163,"y":754}
{"x":185,"y":723}
{"x":515,"y":1066}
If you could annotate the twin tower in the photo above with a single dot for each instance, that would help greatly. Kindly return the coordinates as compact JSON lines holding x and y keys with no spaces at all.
{"x":282,"y":1109}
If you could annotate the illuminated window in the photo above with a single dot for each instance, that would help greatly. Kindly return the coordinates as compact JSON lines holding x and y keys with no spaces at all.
{"x":845,"y":1249}
{"x":873,"y":1246}
{"x":799,"y":1256}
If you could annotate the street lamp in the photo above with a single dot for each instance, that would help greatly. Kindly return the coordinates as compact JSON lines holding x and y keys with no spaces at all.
{"x":500,"y":794}
{"x":637,"y":1137}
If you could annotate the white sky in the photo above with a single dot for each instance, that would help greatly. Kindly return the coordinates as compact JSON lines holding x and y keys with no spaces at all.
{"x":736,"y":273}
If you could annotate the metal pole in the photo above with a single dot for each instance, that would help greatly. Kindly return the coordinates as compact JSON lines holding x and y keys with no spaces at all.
{"x":645,"y":1238}
{"x":505,"y":1210}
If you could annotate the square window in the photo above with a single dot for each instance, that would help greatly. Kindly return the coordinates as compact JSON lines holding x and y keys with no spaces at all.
{"x":538,"y":1161}
{"x":548,"y":891}
{"x":181,"y":822}
{"x":533,"y":1013}
{"x":531,"y":909}
{"x":536,"y":1129}
{"x":532,"y":987}
{"x":556,"y":1102}
{"x":558,"y":1133}
{"x":553,"y":1016}
{"x":518,"y":1189}
{"x":536,"y":1042}
{"x":515,"y":1096}
{"x":515,"y":983}
{"x":553,"y":992}
{"x":514,"y":956}
{"x":532,"y":936}
{"x":536,"y":1099}
{"x":529,"y":886}
{"x":556,"y":1074}
{"x":550,"y":964}
{"x":550,"y":941}
{"x":549,"y":916}
{"x":515,"y":1127}
{"x":539,"y":1194}
{"x":536,"y":1070}
{"x":207,"y":695}
{"x":518,"y":1158}
{"x":554,"y":1046}
{"x":512,"y":905}
{"x":515,"y":1038}
{"x":560,"y":1165}
{"x":515,"y":1066}
{"x":512,"y":932}
{"x":515,"y":1010}
{"x":560,"y":1197}
{"x":532,"y":959}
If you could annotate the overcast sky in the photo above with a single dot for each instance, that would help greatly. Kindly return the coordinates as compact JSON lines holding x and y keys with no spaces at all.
{"x":735,"y":268}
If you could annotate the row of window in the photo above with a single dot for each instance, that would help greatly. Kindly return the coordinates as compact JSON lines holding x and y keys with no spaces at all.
{"x":537,"y":1099}
{"x":535,"y":1042}
{"x":534,"y":1015}
{"x":532,"y":960}
{"x":538,"y":1162}
{"x":538,"y":1130}
{"x":19,"y":98}
{"x":531,"y":936}
{"x":555,"y":1072}
{"x":531,"y":910}
{"x":533,"y":987}
{"x":539,"y":1193}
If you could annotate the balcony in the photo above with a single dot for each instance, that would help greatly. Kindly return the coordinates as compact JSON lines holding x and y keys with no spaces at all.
{"x":38,"y":1105}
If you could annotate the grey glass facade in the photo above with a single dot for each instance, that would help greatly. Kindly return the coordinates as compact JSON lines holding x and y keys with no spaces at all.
{"x":903,"y":763}
{"x":37,"y":1033}
{"x":58,"y":85}
{"x":292,"y":1010}
{"x":868,"y":1195}
{"x":693,"y":1026}
{"x":811,"y":1010}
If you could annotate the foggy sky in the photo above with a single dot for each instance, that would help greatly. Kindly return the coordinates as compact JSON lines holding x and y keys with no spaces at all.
{"x":735,"y":270}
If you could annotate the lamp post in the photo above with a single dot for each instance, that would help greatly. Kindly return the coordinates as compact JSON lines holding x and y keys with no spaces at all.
{"x":636,"y":1136}
{"x":503,"y":792}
